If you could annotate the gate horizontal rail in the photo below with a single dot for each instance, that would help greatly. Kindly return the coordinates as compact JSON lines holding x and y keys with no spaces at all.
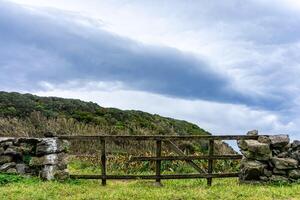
{"x":165,"y":176}
{"x":158,"y":158}
{"x":204,"y":157}
{"x":160,"y":137}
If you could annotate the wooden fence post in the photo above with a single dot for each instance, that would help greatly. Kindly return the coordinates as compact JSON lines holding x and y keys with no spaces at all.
{"x":103,"y":161}
{"x":210,"y":161}
{"x":158,"y":162}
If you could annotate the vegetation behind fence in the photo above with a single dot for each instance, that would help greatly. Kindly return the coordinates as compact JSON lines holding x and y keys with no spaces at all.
{"x":206,"y":172}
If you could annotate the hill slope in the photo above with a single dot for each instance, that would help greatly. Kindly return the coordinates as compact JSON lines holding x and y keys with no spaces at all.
{"x":25,"y":106}
{"x":30,"y":115}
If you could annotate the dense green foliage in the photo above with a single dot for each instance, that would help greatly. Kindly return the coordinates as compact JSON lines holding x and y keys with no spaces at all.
{"x":22,"y":106}
{"x":6,"y":179}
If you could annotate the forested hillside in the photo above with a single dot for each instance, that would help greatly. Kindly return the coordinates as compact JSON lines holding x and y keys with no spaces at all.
{"x":32,"y":109}
{"x":31,"y":115}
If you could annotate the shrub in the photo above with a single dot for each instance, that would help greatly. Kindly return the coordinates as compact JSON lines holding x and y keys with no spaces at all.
{"x":8,"y":178}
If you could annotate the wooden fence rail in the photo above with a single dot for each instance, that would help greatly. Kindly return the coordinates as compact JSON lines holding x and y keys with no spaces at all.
{"x":160,"y":137}
{"x":166,"y":139}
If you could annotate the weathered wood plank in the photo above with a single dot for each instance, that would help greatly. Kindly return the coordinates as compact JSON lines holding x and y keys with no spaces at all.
{"x":163,"y":176}
{"x":103,"y":161}
{"x":158,"y":137}
{"x":158,"y":162}
{"x":203,"y":157}
{"x":210,"y":161}
{"x":178,"y":151}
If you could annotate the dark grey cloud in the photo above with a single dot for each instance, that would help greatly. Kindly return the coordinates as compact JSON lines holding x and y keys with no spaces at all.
{"x":35,"y":47}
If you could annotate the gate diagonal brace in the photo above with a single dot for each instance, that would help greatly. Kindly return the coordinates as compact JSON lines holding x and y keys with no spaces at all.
{"x":175,"y":148}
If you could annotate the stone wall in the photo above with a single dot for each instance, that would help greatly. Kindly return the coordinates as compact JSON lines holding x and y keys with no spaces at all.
{"x":270,"y":159}
{"x":42,"y":157}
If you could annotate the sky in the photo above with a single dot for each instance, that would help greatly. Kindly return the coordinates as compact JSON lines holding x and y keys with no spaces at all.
{"x":229,"y":66}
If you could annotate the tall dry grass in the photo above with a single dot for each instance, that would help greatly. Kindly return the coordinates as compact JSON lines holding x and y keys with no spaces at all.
{"x":119,"y":151}
{"x":37,"y":124}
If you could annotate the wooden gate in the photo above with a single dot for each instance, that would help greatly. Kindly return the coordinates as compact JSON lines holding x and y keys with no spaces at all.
{"x":167,"y":140}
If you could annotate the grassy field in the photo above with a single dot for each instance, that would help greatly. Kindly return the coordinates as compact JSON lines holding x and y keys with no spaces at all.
{"x":32,"y":188}
{"x":16,"y":187}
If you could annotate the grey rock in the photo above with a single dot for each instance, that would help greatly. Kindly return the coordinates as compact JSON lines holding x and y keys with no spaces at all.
{"x":51,"y":159}
{"x":264,"y":139}
{"x":254,"y":156}
{"x":279,"y":141}
{"x":278,"y":178}
{"x":253,"y":132}
{"x":252,"y":149}
{"x":296,"y":155}
{"x":21,"y":168}
{"x":279,"y":171}
{"x":51,"y":145}
{"x":285,"y":163}
{"x":47,"y":173}
{"x":251,"y":170}
{"x":47,"y":146}
{"x":7,"y":166}
{"x":5,"y":159}
{"x":283,"y":155}
{"x":1,"y":150}
{"x":51,"y":172}
{"x":294,"y":174}
{"x":276,"y":152}
{"x":248,"y":155}
{"x":242,"y":144}
{"x":5,"y":145}
{"x":290,"y":151}
{"x":295,"y":144}
{"x":264,"y":178}
{"x":258,"y":147}
{"x":270,"y":164}
{"x":6,"y":139}
{"x":262,"y":157}
{"x":11,"y":170}
{"x":288,"y":146}
{"x":13,"y":150}
{"x":267,"y":173}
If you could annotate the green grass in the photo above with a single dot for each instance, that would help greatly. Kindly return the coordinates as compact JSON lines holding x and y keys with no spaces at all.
{"x":32,"y":188}
{"x":16,"y":187}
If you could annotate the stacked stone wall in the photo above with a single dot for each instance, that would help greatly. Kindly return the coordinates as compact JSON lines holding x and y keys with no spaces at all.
{"x":269,"y":159}
{"x":42,"y":157}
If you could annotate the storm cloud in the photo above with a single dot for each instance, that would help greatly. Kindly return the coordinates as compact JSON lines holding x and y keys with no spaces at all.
{"x":56,"y":48}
